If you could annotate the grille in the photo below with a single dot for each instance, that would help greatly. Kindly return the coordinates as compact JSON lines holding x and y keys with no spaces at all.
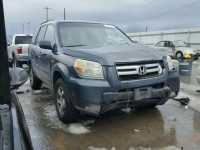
{"x":138,"y":71}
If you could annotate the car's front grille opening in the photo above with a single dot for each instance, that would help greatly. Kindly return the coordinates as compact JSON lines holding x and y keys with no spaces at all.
{"x":137,"y":71}
{"x":154,"y":86}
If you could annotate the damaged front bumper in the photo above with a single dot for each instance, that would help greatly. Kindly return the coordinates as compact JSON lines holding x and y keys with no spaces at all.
{"x":100,"y":96}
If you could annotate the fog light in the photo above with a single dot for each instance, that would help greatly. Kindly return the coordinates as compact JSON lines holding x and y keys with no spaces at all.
{"x":93,"y":108}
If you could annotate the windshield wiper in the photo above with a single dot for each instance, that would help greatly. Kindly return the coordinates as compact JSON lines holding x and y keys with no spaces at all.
{"x":76,"y":45}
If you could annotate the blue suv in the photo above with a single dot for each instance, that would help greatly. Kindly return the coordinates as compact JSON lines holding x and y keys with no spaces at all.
{"x":93,"y":68}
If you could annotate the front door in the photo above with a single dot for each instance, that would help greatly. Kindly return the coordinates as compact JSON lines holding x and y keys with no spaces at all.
{"x":46,"y":58}
{"x":37,"y":52}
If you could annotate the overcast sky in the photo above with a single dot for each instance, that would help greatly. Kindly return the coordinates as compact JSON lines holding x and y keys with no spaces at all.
{"x":129,"y":15}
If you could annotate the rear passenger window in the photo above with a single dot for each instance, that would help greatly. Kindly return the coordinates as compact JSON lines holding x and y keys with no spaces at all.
{"x":50,"y":36}
{"x":40,"y":36}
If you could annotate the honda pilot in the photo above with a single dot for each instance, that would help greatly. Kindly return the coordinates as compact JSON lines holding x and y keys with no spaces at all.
{"x":94,"y":68}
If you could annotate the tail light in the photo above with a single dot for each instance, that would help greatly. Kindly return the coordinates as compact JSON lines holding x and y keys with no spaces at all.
{"x":19,"y":50}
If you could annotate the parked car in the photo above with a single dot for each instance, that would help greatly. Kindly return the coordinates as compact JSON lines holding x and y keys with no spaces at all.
{"x":14,"y":132}
{"x":18,"y":49}
{"x":94,"y":68}
{"x":177,"y":49}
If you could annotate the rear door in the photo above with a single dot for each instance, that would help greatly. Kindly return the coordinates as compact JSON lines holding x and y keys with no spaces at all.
{"x":169,"y":48}
{"x":47,"y":56}
{"x":35,"y":52}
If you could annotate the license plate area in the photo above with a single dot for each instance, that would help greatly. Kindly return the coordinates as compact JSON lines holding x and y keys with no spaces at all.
{"x":142,"y":93}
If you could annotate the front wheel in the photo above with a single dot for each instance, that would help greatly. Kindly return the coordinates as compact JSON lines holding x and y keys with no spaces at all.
{"x":34,"y":81}
{"x":64,"y":107}
{"x":179,"y":55}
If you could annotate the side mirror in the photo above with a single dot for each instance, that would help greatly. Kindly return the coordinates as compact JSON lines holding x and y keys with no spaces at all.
{"x":45,"y":45}
{"x":18,"y":76}
{"x":8,"y":44}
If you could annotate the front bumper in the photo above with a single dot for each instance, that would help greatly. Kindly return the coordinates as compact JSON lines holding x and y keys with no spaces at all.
{"x":22,"y":57}
{"x":104,"y":95}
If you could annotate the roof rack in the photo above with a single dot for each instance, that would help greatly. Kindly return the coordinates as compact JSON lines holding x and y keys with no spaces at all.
{"x":46,"y":21}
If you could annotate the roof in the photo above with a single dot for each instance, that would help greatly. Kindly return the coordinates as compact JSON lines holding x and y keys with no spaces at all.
{"x":71,"y":21}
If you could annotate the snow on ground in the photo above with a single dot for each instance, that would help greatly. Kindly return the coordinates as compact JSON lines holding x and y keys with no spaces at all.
{"x":164,"y":148}
{"x":139,"y":148}
{"x":73,"y":128}
{"x":94,"y":148}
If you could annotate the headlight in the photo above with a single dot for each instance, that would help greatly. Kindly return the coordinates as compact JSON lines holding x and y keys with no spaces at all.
{"x":190,"y":52}
{"x":88,"y":68}
{"x":170,"y":63}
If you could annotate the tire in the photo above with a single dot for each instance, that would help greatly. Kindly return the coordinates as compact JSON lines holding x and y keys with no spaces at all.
{"x":17,"y":63}
{"x":196,"y":58}
{"x":179,"y":55}
{"x":34,"y":81}
{"x":64,"y":107}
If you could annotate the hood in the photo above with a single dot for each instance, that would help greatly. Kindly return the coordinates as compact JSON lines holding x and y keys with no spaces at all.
{"x":110,"y":55}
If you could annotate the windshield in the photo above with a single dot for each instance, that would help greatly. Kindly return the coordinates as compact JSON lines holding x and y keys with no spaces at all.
{"x":180,"y":44}
{"x":23,"y":39}
{"x":88,"y":34}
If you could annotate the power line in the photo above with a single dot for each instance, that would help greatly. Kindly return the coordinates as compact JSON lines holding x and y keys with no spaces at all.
{"x":120,"y":10}
{"x":135,"y":5}
{"x":171,"y":11}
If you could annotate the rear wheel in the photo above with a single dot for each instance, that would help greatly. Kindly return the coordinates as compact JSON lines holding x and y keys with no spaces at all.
{"x":34,"y":81}
{"x":64,"y":107}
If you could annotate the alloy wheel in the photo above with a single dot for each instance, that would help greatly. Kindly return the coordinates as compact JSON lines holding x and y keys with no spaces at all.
{"x":61,"y":100}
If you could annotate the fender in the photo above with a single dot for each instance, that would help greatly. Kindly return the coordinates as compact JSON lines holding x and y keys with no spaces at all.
{"x":63,"y":70}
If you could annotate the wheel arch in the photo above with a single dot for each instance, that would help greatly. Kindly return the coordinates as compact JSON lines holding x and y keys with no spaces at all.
{"x":179,"y":52}
{"x":60,"y":71}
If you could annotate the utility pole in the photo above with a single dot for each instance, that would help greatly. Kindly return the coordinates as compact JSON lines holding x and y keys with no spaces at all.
{"x":28,"y":26}
{"x":146,"y":28}
{"x":47,"y":13}
{"x":64,"y":14}
{"x":23,"y":28}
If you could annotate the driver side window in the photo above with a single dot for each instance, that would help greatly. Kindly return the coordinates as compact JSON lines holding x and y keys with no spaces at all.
{"x":50,"y":36}
{"x":40,"y":35}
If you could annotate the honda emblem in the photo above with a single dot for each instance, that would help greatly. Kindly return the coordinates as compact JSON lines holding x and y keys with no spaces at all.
{"x":142,"y":70}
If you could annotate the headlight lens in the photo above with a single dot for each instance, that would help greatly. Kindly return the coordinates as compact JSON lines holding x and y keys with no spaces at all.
{"x":88,"y":68}
{"x":170,"y":63}
{"x":190,"y":52}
